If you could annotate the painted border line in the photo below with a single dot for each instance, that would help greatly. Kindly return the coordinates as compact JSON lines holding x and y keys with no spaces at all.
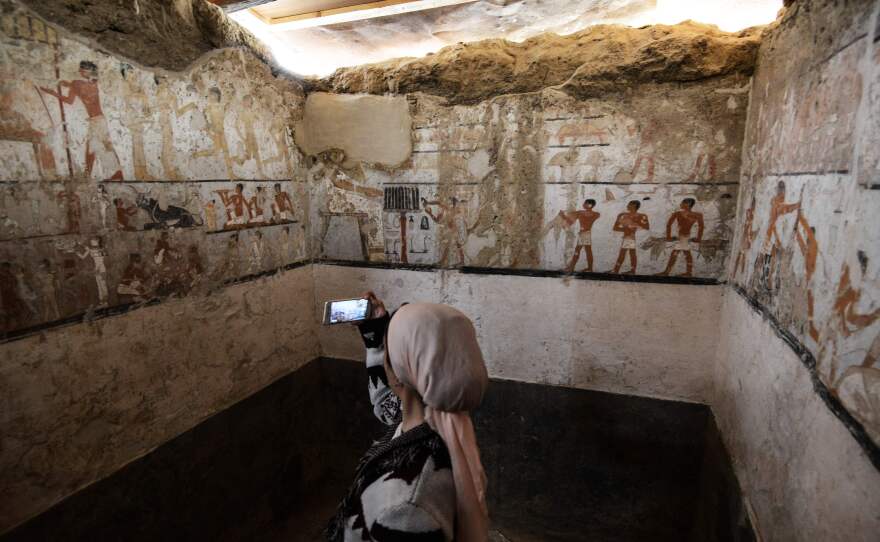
{"x":543,"y":273}
{"x":116,"y":310}
{"x":855,"y":427}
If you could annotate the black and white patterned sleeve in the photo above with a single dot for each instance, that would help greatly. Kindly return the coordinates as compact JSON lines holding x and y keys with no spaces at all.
{"x":386,"y":405}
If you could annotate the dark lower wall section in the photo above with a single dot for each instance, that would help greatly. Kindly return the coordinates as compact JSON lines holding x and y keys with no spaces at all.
{"x":563,"y":464}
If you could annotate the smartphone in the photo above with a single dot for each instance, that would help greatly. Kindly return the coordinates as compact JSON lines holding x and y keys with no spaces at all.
{"x":343,"y":311}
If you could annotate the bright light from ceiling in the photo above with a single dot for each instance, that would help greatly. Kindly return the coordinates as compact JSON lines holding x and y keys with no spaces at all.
{"x":302,"y":56}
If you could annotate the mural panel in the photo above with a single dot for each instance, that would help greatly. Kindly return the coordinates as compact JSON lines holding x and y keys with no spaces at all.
{"x":808,"y":236}
{"x":644,"y":184}
{"x":120,"y":185}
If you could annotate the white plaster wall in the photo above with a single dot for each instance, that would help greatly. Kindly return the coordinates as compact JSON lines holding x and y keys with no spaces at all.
{"x":79,"y":402}
{"x":654,"y":340}
{"x":804,"y":475}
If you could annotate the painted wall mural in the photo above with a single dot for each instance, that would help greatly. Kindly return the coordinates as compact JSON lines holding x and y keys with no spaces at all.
{"x":644,"y":184}
{"x":120,"y":185}
{"x":807,"y":247}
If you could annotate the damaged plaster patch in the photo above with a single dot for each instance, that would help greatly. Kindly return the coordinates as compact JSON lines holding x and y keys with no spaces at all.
{"x":373,"y":129}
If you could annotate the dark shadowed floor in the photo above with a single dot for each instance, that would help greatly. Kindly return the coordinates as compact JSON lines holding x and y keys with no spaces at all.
{"x":563,"y":465}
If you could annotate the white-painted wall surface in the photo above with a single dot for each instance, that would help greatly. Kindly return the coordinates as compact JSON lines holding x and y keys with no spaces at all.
{"x":654,"y":340}
{"x":805,"y":477}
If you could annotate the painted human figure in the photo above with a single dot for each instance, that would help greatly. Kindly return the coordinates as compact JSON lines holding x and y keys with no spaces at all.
{"x":102,"y":201}
{"x":139,"y":118}
{"x":98,"y":145}
{"x":845,"y":321}
{"x":805,"y":235}
{"x":123,"y":214}
{"x":282,"y":206}
{"x":585,"y":219}
{"x":257,"y":206}
{"x":236,"y":206}
{"x":772,"y":242}
{"x":746,"y":240}
{"x":47,"y":284}
{"x":74,"y":209}
{"x":453,"y":231}
{"x":169,"y":111}
{"x":704,"y":165}
{"x":194,"y":267}
{"x":25,"y":292}
{"x":14,"y":126}
{"x":231,"y":261}
{"x":248,"y":134}
{"x":134,"y":283}
{"x":645,"y":152}
{"x":215,"y":115}
{"x":629,"y":223}
{"x":211,"y":214}
{"x":684,"y":219}
{"x":15,"y":310}
{"x":256,"y":252}
{"x":168,"y":262}
{"x":95,"y":251}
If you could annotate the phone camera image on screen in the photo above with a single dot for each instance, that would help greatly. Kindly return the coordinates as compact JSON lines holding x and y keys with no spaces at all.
{"x":349,"y":310}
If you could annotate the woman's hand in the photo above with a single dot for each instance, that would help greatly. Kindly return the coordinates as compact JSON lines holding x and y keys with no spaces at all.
{"x":377,"y":307}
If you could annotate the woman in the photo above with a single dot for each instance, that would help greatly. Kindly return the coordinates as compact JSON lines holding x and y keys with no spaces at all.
{"x":423,"y":480}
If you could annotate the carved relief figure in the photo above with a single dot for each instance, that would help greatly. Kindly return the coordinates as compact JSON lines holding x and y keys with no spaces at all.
{"x":167,"y":260}
{"x":704,"y":165}
{"x":453,"y":228}
{"x":98,"y":145}
{"x":772,"y":241}
{"x":684,"y":219}
{"x":95,"y":251}
{"x":585,"y":219}
{"x":168,"y":112}
{"x":194,"y":267}
{"x":629,"y":223}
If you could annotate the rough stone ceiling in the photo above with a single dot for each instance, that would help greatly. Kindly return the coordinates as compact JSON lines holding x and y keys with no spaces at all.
{"x":320,"y":50}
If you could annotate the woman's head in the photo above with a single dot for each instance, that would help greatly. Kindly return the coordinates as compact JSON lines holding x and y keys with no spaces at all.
{"x":433,"y":350}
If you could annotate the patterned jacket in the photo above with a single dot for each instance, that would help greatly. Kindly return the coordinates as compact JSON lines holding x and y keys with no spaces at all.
{"x":403,"y":488}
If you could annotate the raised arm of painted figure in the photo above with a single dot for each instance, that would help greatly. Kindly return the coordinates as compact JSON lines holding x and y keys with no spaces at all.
{"x":71,"y":95}
{"x":386,"y":405}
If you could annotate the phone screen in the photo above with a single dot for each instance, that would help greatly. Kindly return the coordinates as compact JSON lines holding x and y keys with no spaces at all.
{"x":347,"y":310}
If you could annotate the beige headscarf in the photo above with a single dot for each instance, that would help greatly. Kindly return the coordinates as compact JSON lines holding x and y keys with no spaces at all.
{"x":433,"y":349}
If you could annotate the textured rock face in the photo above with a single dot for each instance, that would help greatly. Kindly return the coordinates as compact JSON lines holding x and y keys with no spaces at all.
{"x":168,"y":34}
{"x":602,"y":59}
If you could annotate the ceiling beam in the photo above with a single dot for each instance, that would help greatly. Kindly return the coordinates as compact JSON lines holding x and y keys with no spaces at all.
{"x":357,"y":12}
{"x":237,"y":5}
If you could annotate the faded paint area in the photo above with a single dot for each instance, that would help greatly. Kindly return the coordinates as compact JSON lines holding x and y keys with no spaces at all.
{"x":79,"y":402}
{"x":803,"y":474}
{"x":808,"y":230}
{"x":656,"y":341}
{"x":504,"y":183}
{"x":120,"y":185}
{"x":373,"y":129}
